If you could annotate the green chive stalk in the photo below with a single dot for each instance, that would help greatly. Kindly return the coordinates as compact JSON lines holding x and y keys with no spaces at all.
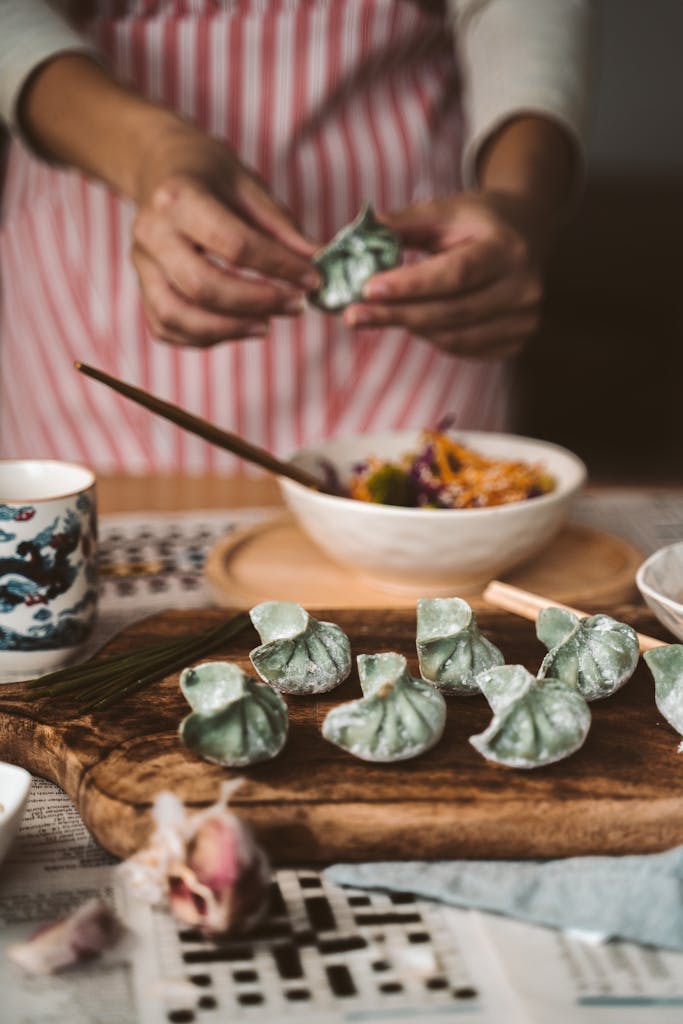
{"x":109,"y":680}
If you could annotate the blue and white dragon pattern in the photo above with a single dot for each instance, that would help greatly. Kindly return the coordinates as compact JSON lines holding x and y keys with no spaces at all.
{"x":40,"y":571}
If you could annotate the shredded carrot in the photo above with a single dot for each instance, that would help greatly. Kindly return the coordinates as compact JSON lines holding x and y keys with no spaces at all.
{"x":446,"y":474}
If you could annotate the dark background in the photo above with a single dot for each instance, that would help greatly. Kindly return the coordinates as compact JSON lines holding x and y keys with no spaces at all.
{"x":605,"y":374}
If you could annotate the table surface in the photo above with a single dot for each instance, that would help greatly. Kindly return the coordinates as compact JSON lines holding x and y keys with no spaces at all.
{"x":644,"y":515}
{"x":176,"y":492}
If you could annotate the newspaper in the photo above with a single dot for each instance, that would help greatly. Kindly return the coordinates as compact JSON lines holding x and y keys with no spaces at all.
{"x":573,"y":980}
{"x":55,"y":866}
{"x":394,"y":960}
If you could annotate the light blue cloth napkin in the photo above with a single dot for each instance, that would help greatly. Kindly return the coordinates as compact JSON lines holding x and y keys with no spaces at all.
{"x":635,"y":898}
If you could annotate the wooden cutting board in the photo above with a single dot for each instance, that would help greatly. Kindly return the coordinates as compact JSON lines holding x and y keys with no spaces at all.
{"x":621,"y":793}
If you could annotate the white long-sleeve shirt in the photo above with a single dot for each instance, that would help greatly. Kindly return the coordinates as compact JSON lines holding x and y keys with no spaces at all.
{"x":530,"y":56}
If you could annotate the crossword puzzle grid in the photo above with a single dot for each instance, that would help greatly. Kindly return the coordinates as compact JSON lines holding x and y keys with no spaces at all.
{"x":323,"y":948}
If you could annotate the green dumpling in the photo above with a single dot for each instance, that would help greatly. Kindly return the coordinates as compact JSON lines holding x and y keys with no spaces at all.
{"x":236,"y":720}
{"x":596,"y":654}
{"x":361,"y":249}
{"x":298,"y":654}
{"x":666,"y":666}
{"x":398,"y":717}
{"x":535,"y":721}
{"x":450,"y":648}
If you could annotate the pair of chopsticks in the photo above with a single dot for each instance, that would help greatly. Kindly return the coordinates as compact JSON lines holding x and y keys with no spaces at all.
{"x":208,"y":431}
{"x":528,"y":605}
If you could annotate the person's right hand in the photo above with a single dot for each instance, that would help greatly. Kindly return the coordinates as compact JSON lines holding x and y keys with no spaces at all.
{"x":216,"y":254}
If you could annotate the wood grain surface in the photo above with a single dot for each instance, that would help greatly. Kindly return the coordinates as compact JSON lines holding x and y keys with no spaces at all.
{"x":314,"y":803}
{"x":581,"y":566}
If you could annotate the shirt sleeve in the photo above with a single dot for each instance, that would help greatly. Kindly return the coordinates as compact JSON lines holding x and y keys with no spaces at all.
{"x":31,"y":32}
{"x":522,"y":57}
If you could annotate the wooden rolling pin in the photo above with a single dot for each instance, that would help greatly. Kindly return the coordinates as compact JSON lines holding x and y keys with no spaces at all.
{"x":522,"y":602}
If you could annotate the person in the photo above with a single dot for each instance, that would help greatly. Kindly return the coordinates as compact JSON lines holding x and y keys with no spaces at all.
{"x":174,"y":165}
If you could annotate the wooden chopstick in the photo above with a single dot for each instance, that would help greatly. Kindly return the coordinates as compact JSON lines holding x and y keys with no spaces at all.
{"x":528,"y":605}
{"x":208,"y":431}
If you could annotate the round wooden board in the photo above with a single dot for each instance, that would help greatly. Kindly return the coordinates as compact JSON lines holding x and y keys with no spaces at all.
{"x":276,"y":561}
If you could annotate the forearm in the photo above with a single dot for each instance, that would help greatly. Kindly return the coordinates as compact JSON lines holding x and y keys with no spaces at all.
{"x":532,"y":163}
{"x":73,"y":112}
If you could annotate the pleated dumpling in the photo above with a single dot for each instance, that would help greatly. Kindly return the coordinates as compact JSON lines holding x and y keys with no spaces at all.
{"x":535,"y":721}
{"x":596,"y":654}
{"x":236,"y":720}
{"x":298,"y":654}
{"x":359,"y":250}
{"x":398,"y":717}
{"x":450,"y":648}
{"x":666,"y":666}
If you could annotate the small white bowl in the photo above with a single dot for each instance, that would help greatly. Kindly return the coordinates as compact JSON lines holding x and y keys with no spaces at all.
{"x":14,"y":786}
{"x":660,"y":581}
{"x":431,"y":552}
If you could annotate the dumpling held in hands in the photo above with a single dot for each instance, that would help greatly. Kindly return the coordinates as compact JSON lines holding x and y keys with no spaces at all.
{"x":362,"y":248}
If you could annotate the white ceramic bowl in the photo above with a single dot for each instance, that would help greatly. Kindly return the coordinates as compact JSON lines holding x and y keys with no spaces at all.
{"x":660,"y":581}
{"x":431,"y":552}
{"x":14,"y":786}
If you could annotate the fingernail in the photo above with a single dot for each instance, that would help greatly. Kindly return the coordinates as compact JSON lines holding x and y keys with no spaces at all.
{"x":311,"y":281}
{"x":294,"y":306}
{"x":358,"y":316}
{"x":376,"y":290}
{"x":256,"y":330}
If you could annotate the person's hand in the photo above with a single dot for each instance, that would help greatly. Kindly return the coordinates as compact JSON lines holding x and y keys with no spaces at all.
{"x":477,"y":293}
{"x":215,"y":254}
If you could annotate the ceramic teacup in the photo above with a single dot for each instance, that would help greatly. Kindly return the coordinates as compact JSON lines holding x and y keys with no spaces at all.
{"x":48,"y":569}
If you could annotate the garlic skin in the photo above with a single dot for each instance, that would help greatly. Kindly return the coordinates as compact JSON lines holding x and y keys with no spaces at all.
{"x":81,"y":936}
{"x":206,"y":866}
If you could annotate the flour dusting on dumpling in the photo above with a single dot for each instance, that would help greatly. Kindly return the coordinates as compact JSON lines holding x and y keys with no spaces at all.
{"x":236,"y":720}
{"x":298,"y":654}
{"x":596,"y":654}
{"x":451,"y":650}
{"x":397,"y":718}
{"x":535,"y":721}
{"x":666,"y":666}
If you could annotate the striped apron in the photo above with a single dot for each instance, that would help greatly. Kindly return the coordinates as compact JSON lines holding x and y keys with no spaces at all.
{"x":333,"y":103}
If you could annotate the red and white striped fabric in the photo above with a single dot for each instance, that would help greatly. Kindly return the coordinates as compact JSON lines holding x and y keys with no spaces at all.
{"x":333,"y":103}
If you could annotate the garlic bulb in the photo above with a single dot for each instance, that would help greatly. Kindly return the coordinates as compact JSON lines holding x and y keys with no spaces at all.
{"x":206,"y":865}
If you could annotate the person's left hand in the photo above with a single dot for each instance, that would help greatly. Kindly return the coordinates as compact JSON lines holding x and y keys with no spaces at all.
{"x":479,"y":291}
